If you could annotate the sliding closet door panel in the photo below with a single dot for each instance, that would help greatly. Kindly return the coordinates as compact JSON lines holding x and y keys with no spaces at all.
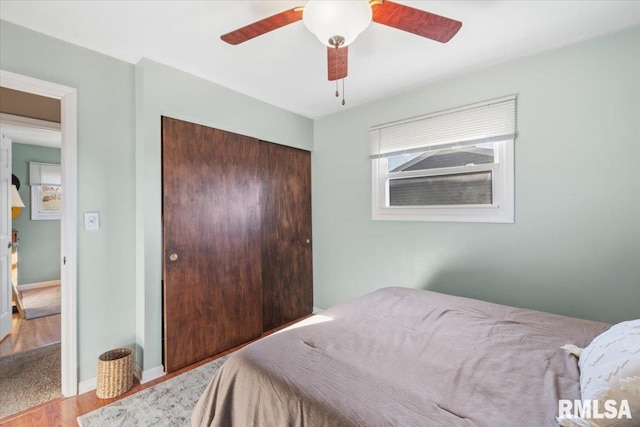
{"x":286,"y":235}
{"x":211,"y":237}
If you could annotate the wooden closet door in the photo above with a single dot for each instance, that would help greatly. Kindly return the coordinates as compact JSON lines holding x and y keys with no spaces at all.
{"x":212,"y":241}
{"x":287,"y":279}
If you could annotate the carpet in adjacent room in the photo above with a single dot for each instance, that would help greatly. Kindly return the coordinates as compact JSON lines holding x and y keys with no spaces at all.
{"x":29,"y":379}
{"x":41,"y":302}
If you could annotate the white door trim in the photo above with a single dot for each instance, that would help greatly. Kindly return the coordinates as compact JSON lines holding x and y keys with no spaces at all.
{"x":6,"y":254}
{"x":69,"y":226}
{"x":31,"y":131}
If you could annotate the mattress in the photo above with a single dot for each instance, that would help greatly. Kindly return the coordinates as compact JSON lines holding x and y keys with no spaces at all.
{"x":403,"y":357}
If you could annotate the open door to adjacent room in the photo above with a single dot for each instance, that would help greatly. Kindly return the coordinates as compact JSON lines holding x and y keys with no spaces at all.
{"x":28,"y":109}
{"x":5,"y":237}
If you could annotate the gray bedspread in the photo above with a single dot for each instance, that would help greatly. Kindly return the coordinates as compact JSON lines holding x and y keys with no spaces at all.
{"x":403,"y":357}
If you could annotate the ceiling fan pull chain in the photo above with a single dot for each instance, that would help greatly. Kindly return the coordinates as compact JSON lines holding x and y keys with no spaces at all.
{"x":342,"y":91}
{"x":337,"y":93}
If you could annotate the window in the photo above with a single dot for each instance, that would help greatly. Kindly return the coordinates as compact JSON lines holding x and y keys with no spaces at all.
{"x":456,"y":165}
{"x":46,"y":191}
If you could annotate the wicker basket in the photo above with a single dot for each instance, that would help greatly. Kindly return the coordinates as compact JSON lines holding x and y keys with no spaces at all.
{"x":115,"y":372}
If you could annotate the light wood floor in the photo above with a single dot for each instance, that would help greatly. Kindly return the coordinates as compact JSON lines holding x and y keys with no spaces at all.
{"x":29,"y":334}
{"x":64,"y":411}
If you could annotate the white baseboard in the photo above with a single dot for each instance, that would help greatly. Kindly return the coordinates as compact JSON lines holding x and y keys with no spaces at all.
{"x":152,"y":374}
{"x":38,"y":285}
{"x":317,"y":310}
{"x":87,"y":385}
{"x":142,"y":376}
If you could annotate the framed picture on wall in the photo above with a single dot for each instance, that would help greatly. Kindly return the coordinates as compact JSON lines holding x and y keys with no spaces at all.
{"x":46,"y":191}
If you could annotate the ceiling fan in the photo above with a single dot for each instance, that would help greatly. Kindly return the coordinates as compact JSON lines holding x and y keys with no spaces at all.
{"x":338,"y":23}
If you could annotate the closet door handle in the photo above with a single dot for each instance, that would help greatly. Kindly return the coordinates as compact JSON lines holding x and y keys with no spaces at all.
{"x":308,"y":241}
{"x":173,"y":256}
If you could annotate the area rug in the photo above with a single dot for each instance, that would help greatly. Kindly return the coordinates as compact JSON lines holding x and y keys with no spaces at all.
{"x":41,"y":302}
{"x":169,"y":403}
{"x":28,"y":379}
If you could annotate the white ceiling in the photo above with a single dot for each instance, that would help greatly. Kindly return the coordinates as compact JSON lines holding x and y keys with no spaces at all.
{"x":287,"y":67}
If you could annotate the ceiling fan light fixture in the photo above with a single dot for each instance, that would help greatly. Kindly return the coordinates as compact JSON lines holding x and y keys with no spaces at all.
{"x":332,"y":20}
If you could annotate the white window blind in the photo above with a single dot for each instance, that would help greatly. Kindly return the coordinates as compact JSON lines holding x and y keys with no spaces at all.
{"x":44,"y":174}
{"x":488,"y":121}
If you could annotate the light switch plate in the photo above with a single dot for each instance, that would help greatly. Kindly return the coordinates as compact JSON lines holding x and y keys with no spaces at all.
{"x":91,"y":221}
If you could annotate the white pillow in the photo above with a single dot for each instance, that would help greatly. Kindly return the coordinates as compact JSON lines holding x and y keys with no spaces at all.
{"x":610,"y":370}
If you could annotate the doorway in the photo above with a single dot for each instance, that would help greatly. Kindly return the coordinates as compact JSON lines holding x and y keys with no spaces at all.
{"x":68,"y":222}
{"x":30,"y":354}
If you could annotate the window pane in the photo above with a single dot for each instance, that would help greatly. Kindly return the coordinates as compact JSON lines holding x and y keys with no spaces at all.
{"x":457,"y":189}
{"x":478,"y":154}
{"x":402,"y":159}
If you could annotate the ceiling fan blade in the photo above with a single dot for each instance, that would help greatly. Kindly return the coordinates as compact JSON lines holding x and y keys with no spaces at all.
{"x":263,"y":26}
{"x":337,"y":62}
{"x":416,"y":21}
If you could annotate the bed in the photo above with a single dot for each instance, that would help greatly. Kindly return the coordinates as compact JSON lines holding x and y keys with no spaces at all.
{"x":403,"y":357}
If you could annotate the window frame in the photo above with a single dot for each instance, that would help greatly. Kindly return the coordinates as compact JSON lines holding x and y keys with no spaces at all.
{"x":502,"y":210}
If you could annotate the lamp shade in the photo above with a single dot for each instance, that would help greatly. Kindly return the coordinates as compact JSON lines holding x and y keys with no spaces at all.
{"x":16,"y":200}
{"x":330,"y":20}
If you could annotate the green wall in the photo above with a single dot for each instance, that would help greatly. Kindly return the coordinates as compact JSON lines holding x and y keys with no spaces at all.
{"x":106,"y":264}
{"x":575,"y":245}
{"x":39,"y":250}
